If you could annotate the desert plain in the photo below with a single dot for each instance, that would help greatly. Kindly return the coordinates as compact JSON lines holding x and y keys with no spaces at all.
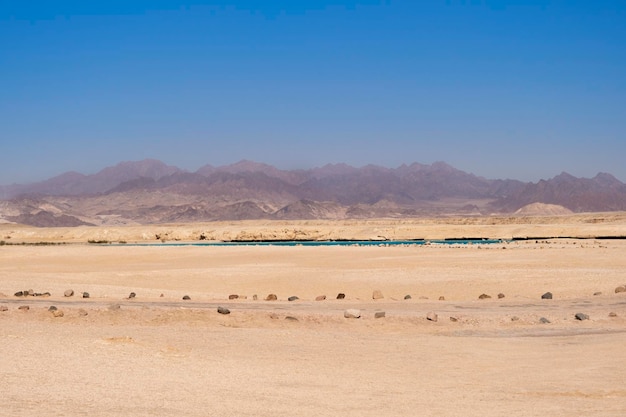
{"x":441,"y":351}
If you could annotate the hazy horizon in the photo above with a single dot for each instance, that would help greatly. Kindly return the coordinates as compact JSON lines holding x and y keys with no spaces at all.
{"x":522,"y":91}
{"x":192,"y":170}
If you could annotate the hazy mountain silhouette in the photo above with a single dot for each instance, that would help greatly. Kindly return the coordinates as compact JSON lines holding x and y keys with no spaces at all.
{"x":151,"y":191}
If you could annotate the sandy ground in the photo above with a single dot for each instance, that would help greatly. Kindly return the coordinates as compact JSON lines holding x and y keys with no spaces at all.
{"x":160,"y":355}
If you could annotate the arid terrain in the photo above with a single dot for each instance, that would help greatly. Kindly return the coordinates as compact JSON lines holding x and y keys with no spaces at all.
{"x":440,"y":352}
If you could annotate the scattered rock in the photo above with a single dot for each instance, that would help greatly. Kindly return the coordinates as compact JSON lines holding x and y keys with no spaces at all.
{"x":514,"y":318}
{"x":45,"y":294}
{"x":341,"y":296}
{"x":58,"y":313}
{"x":85,"y":295}
{"x":352,"y":313}
{"x":223,"y":310}
{"x":290,"y":318}
{"x":82,"y":312}
{"x":255,"y":297}
{"x":271,"y":297}
{"x":581,"y":316}
{"x":161,"y":295}
{"x":407,"y":297}
{"x":431,"y":316}
{"x":483,"y":296}
{"x":30,"y":292}
{"x":186,"y":297}
{"x":233,"y":297}
{"x":453,"y":319}
{"x":114,"y":307}
{"x":442,"y":298}
{"x":597,"y":293}
{"x":293,"y":298}
{"x":611,"y":314}
{"x":621,"y":288}
{"x":68,"y":293}
{"x":320,"y":298}
{"x":52,"y":308}
{"x":544,"y":320}
{"x":547,"y":296}
{"x":21,"y":293}
{"x":377,"y":295}
{"x":501,"y":295}
{"x":23,"y":308}
{"x":132,"y":295}
{"x":379,"y":314}
{"x":4,"y":308}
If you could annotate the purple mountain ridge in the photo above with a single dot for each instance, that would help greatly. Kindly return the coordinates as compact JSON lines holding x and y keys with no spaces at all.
{"x":151,"y":191}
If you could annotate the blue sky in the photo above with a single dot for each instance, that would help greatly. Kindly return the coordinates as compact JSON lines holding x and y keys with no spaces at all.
{"x":501,"y":89}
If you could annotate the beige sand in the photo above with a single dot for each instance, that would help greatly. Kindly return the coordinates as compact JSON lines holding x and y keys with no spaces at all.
{"x":164,"y":356}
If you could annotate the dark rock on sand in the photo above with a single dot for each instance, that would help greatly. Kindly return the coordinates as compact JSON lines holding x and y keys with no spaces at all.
{"x":52,"y":308}
{"x":233,"y":297}
{"x":186,"y":297}
{"x":581,"y":316}
{"x":68,"y":293}
{"x":483,"y":296}
{"x":432,"y":316}
{"x":544,"y":320}
{"x":621,"y":288}
{"x":132,"y":295}
{"x":379,"y":314}
{"x":293,"y":298}
{"x":547,"y":296}
{"x":407,"y":297}
{"x":501,"y":295}
{"x":453,"y":319}
{"x":223,"y":310}
{"x":290,"y":318}
{"x":85,"y":295}
{"x":597,"y":293}
{"x":271,"y":297}
{"x":611,"y":314}
{"x":23,"y":308}
{"x":21,"y":293}
{"x":341,"y":296}
{"x":442,"y":298}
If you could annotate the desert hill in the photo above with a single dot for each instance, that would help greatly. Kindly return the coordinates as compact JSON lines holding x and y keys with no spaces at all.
{"x":150,"y":191}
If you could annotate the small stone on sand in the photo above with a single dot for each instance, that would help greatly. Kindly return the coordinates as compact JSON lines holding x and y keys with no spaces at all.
{"x":223,"y":310}
{"x":320,"y":298}
{"x":432,"y":316}
{"x":377,"y":295}
{"x":379,"y":314}
{"x":581,"y":316}
{"x":68,"y":293}
{"x":271,"y":297}
{"x":341,"y":296}
{"x":186,"y":297}
{"x":293,"y":298}
{"x":352,"y":313}
{"x":547,"y":296}
{"x":483,"y":296}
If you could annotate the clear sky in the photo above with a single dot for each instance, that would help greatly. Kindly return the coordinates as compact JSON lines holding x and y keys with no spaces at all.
{"x":502,"y":89}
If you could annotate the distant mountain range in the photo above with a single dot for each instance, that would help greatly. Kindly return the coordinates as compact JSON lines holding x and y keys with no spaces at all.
{"x":151,"y":191}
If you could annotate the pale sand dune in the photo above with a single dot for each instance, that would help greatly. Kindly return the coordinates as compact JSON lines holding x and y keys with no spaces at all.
{"x":164,"y":356}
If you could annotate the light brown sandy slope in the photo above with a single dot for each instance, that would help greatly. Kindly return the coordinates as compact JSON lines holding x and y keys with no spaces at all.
{"x":164,"y":356}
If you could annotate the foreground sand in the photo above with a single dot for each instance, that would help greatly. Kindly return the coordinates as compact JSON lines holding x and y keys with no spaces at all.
{"x":163,"y":356}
